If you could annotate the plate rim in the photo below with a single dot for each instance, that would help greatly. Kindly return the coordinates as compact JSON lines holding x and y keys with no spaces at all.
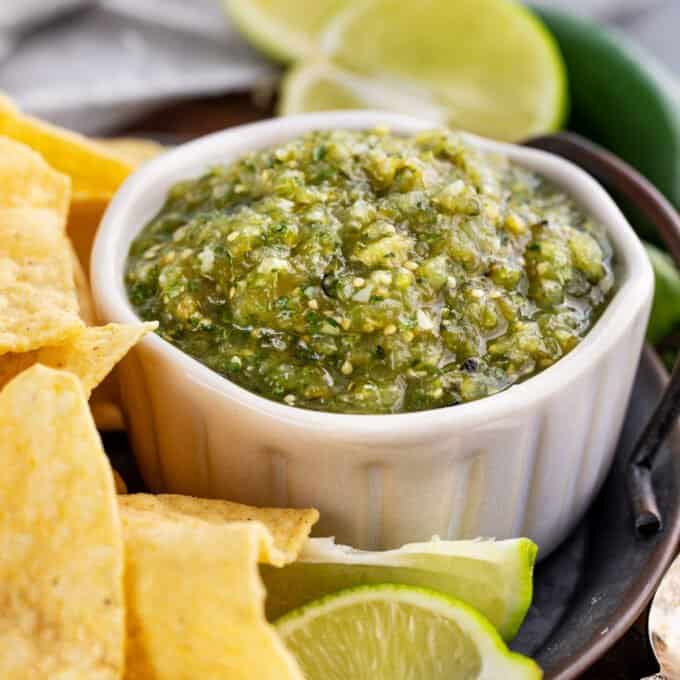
{"x":640,"y":594}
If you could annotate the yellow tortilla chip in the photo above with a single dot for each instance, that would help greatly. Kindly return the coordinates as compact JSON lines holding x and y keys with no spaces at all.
{"x":61,"y":551}
{"x":87,"y":208}
{"x":38,"y":303}
{"x":132,"y":149}
{"x":195,"y":602}
{"x":121,"y":486}
{"x":83,"y":221}
{"x":83,"y":292}
{"x":26,"y":180}
{"x":288,"y":527}
{"x":95,"y":351}
{"x":104,"y":399}
{"x":91,"y":354}
{"x":92,"y":168}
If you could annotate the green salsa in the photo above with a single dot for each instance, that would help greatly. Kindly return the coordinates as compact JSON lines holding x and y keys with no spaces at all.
{"x":362,"y":272}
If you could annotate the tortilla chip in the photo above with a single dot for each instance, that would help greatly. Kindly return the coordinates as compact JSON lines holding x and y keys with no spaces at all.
{"x":28,"y":181}
{"x":91,"y":354}
{"x":195,"y":602}
{"x":289,"y":527}
{"x":83,"y":221}
{"x":121,"y":486}
{"x":93,"y":169}
{"x":132,"y":149}
{"x":83,"y":292}
{"x":38,"y":303}
{"x":95,"y":351}
{"x":61,"y":564}
{"x":87,"y":209}
{"x":104,"y":401}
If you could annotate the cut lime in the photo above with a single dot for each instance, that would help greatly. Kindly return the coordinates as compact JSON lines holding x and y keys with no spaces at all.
{"x":494,"y":577}
{"x":385,"y":632}
{"x":285,"y":30}
{"x":486,"y":66}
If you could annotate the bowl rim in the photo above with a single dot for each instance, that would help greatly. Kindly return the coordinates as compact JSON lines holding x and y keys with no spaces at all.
{"x":633,"y":292}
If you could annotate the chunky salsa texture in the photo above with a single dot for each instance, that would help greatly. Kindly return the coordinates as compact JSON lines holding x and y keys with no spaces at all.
{"x":362,"y":272}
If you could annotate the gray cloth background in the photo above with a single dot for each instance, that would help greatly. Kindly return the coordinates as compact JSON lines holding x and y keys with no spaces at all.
{"x":94,"y":65}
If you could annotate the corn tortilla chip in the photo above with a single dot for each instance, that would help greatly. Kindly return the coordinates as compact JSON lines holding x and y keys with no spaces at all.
{"x":83,"y":221}
{"x":91,"y":354}
{"x":87,"y":208}
{"x":288,"y":527}
{"x":28,"y":181}
{"x":83,"y":292}
{"x":104,"y":401}
{"x":38,"y":303}
{"x":95,"y":351}
{"x":132,"y":149}
{"x":92,"y":168}
{"x":121,"y":486}
{"x":195,"y":602}
{"x":61,"y":551}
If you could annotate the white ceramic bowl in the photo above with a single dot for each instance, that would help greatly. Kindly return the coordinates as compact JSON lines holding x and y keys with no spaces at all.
{"x":525,"y":462}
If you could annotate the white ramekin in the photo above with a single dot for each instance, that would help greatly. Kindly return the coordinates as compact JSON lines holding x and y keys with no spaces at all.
{"x":524,"y":462}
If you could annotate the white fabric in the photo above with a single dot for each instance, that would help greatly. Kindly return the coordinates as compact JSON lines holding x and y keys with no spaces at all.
{"x":93,"y":70}
{"x":97,"y":68}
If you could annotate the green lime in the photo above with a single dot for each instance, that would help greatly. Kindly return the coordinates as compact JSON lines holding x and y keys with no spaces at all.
{"x":486,"y":66}
{"x":285,"y":30}
{"x":494,"y":577}
{"x":665,"y":315}
{"x":384,"y":632}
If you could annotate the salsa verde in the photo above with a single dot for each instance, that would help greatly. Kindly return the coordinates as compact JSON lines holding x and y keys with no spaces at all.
{"x":363,"y":272}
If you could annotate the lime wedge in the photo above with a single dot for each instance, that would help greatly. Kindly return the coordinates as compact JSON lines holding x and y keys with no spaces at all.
{"x":494,"y":577}
{"x":385,"y":632}
{"x":285,"y":30}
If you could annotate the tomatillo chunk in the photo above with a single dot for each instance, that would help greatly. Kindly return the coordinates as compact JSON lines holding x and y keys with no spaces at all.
{"x":362,"y":272}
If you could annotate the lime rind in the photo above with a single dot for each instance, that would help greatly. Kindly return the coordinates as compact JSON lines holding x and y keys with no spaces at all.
{"x":497,"y":659}
{"x":526,"y":556}
{"x":563,"y":106}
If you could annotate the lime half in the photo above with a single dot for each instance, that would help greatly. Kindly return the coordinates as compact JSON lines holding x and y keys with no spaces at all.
{"x":485,"y":66}
{"x":385,"y":632}
{"x":494,"y":577}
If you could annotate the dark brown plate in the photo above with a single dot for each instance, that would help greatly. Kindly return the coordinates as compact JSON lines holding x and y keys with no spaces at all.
{"x":591,"y":590}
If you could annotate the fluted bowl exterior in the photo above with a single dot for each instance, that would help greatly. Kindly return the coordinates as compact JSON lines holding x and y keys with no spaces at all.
{"x":526,"y":461}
